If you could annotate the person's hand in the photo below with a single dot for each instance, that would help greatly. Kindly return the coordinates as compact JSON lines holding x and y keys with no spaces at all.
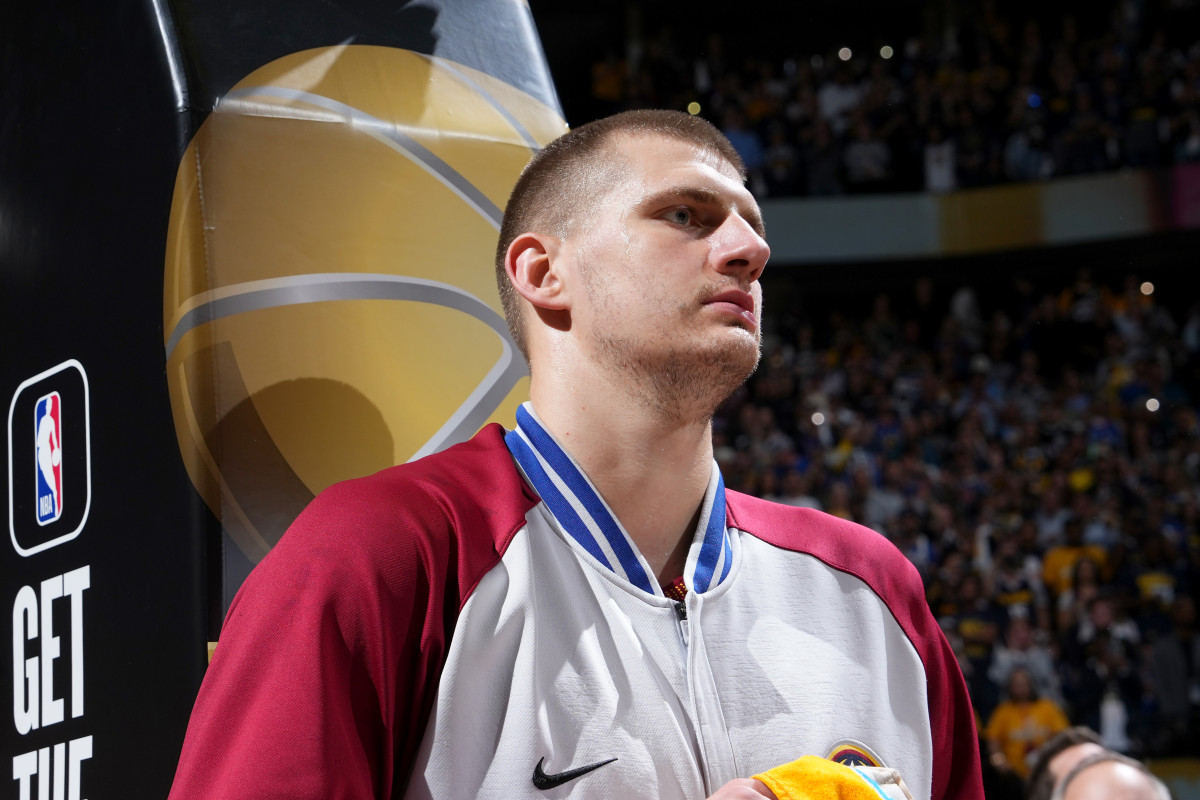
{"x":744,"y":789}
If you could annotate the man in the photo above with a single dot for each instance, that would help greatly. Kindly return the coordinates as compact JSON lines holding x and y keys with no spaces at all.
{"x":577,"y":607}
{"x":1058,"y":756}
{"x":1110,"y":776}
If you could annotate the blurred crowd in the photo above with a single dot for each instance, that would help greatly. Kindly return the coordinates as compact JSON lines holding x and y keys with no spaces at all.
{"x":992,"y":100}
{"x":1036,"y":455}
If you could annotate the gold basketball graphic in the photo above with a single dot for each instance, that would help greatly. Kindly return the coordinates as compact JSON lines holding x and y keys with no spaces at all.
{"x":329,"y":304}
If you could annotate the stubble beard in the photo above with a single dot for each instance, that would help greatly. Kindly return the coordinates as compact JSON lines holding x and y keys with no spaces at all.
{"x":677,"y":380}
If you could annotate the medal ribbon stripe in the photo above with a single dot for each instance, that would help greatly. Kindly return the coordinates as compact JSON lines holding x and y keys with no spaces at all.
{"x":728,"y":550}
{"x":581,"y":512}
{"x":559,"y":505}
{"x":587,"y":526}
{"x":578,"y":485}
{"x":713,"y":548}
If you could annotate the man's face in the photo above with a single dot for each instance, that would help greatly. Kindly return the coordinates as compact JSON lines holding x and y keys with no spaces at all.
{"x":667,"y":269}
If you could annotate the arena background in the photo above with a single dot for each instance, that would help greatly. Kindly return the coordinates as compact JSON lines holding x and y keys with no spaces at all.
{"x":217,"y":222}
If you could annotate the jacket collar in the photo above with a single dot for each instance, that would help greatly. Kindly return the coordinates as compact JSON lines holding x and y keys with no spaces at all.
{"x":588,"y":521}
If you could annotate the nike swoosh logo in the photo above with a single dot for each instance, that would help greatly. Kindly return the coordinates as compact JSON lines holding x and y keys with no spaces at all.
{"x":543,"y":781}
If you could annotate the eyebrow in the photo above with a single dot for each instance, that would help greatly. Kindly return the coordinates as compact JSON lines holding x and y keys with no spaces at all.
{"x":706,"y":196}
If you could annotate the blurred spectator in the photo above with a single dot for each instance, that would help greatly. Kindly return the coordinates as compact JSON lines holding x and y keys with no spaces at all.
{"x":868,"y":160}
{"x":823,"y":162}
{"x":941,"y":589}
{"x":885,"y":500}
{"x":1059,"y":563}
{"x":912,"y":541}
{"x":1102,"y":680}
{"x":1020,"y":593}
{"x":940,"y":161}
{"x":796,"y":490}
{"x":977,"y":161}
{"x":977,"y":622}
{"x":837,"y":99}
{"x":1021,"y":650}
{"x":1175,"y":671}
{"x":1154,"y":578}
{"x":1021,"y":724}
{"x":1073,"y":601}
{"x":1082,"y":146}
{"x":1052,"y":515}
{"x":748,"y":145}
{"x":781,"y":162}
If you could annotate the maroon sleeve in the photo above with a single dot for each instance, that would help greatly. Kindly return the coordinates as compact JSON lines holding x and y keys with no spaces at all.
{"x":329,"y":658}
{"x":871,"y":558}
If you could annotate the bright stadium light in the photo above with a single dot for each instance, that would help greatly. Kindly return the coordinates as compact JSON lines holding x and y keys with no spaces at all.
{"x":818,"y":418}
{"x":693,"y":108}
{"x":844,"y":54}
{"x":886,"y":52}
{"x":1152,"y":404}
{"x":1147,"y":288}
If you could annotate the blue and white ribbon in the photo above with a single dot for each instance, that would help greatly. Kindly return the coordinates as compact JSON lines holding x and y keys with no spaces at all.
{"x":586,"y":518}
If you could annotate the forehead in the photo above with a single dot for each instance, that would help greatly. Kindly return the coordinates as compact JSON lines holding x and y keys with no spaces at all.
{"x":648,"y":150}
{"x":1109,"y":779}
{"x":657,"y":159}
{"x":1063,"y":762}
{"x":654,"y":165}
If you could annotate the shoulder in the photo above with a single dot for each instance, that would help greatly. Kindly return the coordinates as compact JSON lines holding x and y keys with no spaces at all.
{"x":864,"y":554}
{"x":839,"y":543}
{"x":344,"y":626}
{"x":476,"y":478}
{"x":453,"y":512}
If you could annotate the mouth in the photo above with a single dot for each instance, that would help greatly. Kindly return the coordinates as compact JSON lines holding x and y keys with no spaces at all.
{"x":736,"y":303}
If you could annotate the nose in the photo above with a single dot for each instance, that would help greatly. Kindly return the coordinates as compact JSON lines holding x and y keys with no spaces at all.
{"x":739,"y":249}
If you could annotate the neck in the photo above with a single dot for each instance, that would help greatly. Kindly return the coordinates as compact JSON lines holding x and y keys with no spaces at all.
{"x":651,"y":468}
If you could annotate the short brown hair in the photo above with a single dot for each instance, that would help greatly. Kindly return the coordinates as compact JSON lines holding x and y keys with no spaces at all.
{"x":573,"y":172}
{"x":1041,"y":781}
{"x":1160,"y":789}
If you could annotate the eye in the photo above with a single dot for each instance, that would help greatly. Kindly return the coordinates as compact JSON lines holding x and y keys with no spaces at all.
{"x":681,"y":216}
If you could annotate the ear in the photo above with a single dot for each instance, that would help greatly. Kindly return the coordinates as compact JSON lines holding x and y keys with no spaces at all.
{"x":531,"y":263}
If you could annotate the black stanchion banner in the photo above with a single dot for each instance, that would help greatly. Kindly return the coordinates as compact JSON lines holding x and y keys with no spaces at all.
{"x":245,"y":252}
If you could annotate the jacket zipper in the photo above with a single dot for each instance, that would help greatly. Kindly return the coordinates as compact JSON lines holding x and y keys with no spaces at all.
{"x":681,"y":617}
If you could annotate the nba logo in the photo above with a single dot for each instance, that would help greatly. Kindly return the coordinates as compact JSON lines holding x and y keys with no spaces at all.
{"x":47,"y":425}
{"x":49,"y":445}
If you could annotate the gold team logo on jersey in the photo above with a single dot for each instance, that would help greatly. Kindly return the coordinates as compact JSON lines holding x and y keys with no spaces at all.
{"x":329,"y":305}
{"x":854,"y":753}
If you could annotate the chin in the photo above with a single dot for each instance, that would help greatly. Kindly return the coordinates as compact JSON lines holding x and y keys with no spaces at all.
{"x":685,"y":378}
{"x":731,"y":364}
{"x":745,"y":349}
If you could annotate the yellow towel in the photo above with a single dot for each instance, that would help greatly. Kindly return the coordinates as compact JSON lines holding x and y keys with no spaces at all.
{"x":813,"y":778}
